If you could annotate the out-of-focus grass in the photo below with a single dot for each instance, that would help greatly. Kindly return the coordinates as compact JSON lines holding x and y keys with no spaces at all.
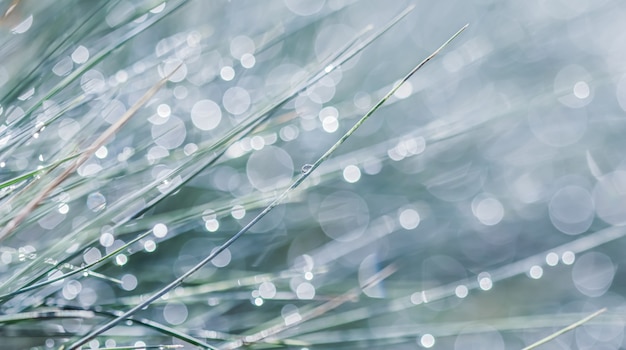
{"x":492,"y":182}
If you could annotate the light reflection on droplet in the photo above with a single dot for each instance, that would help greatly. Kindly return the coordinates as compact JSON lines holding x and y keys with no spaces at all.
{"x":63,"y":208}
{"x":461,"y":291}
{"x":80,"y":55}
{"x":149,"y":246}
{"x":121,"y":76}
{"x":238,"y":212}
{"x":571,"y":86}
{"x":330,"y":124}
{"x":129,"y":282}
{"x":121,"y":259}
{"x":535,"y":272}
{"x":163,"y":110}
{"x":227,"y":73}
{"x":409,"y":218}
{"x":581,"y":90}
{"x":568,"y":257}
{"x":351,"y":173}
{"x":258,"y":301}
{"x":159,"y":230}
{"x":488,"y":210}
{"x":552,"y":259}
{"x":92,"y":255}
{"x":267,"y":290}
{"x":248,"y":60}
{"x":106,"y":239}
{"x":212,"y":225}
{"x":102,"y":152}
{"x":305,"y":290}
{"x":23,"y":26}
{"x":418,"y":298}
{"x":427,"y":340}
{"x":484,"y":281}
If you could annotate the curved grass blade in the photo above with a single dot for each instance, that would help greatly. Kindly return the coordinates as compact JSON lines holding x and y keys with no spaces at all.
{"x":272,"y":205}
{"x":565,"y":330}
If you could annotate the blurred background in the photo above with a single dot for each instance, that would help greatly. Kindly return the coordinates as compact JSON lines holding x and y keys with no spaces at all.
{"x":482,"y":207}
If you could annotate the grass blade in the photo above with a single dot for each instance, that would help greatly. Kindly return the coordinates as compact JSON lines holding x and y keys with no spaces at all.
{"x":565,"y":330}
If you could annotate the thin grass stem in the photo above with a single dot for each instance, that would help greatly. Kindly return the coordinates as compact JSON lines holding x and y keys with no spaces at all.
{"x":564,"y":330}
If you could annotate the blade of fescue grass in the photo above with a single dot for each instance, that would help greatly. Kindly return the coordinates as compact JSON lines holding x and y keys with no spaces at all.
{"x":565,"y":330}
{"x":303,"y":176}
